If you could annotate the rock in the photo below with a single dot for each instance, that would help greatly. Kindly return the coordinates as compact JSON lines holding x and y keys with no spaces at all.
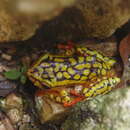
{"x":6,"y":57}
{"x":19,"y":109}
{"x":13,"y":29}
{"x":102,"y":113}
{"x":6,"y":87}
{"x":15,"y":115}
{"x":17,"y":24}
{"x":13,"y":101}
{"x":50,"y":111}
{"x":5,"y":123}
{"x":41,"y":8}
{"x":103,"y":17}
{"x":88,"y":19}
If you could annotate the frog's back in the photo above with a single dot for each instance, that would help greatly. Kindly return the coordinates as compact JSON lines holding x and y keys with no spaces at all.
{"x":56,"y":70}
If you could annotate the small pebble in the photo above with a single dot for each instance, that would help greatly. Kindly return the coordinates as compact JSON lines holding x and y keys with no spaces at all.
{"x":6,"y":56}
{"x":26,"y":118}
{"x":15,"y":115}
{"x":3,"y":68}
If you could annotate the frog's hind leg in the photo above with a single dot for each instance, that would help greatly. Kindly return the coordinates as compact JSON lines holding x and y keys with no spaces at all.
{"x":58,"y":94}
{"x":65,"y":95}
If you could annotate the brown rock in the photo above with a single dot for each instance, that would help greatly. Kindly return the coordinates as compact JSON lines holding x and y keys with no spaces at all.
{"x":88,"y":19}
{"x":5,"y":123}
{"x":103,"y":17}
{"x":12,"y":29}
{"x":50,"y":111}
{"x":19,"y":19}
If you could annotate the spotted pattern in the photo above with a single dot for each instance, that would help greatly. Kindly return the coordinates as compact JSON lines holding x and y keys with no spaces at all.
{"x":102,"y":86}
{"x":56,"y":70}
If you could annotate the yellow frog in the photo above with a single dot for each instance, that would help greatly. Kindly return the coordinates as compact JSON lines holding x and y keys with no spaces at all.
{"x":77,"y":74}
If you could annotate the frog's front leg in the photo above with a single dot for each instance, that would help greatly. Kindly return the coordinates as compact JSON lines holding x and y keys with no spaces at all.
{"x":69,"y":48}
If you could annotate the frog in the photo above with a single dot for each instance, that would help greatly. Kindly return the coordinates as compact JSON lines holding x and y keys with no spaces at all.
{"x":74,"y":74}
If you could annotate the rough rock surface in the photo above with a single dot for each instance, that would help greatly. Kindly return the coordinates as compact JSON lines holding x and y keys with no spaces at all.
{"x":88,"y":19}
{"x":20,"y":19}
{"x":12,"y":29}
{"x":103,"y":17}
{"x":102,"y":113}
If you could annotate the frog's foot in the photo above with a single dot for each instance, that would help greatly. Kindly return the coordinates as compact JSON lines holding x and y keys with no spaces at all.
{"x":73,"y":102}
{"x":69,"y":48}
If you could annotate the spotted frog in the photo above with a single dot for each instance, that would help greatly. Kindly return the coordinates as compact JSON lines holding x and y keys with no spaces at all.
{"x":77,"y":74}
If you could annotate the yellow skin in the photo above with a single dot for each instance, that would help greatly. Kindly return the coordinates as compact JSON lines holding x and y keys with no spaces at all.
{"x":72,"y":76}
